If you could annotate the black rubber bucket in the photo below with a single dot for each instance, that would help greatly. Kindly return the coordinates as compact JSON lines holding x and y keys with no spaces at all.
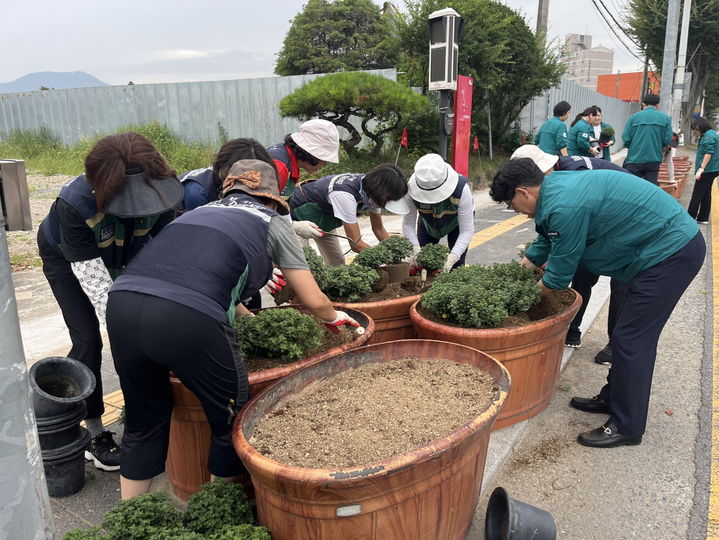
{"x":65,"y":466}
{"x":510,"y":519}
{"x":59,"y":386}
{"x":61,"y":430}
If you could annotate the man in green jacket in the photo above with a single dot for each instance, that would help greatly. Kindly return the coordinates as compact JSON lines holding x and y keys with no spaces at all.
{"x":612,"y":224}
{"x":645,"y":135}
{"x":552,"y":136}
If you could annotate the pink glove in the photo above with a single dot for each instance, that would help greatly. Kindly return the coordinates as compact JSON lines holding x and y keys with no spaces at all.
{"x":341,"y":319}
{"x":277,"y":282}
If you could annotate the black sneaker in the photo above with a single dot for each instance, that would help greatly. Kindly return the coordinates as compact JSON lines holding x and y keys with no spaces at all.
{"x":104,"y":452}
{"x":573,"y":339}
{"x":604,"y":356}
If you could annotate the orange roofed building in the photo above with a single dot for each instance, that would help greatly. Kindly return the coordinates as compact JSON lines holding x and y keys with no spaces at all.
{"x":626,"y":86}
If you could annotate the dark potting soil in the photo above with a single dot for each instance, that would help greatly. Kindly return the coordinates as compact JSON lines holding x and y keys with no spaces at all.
{"x":550,"y":305}
{"x":60,"y":386}
{"x":330,"y":340}
{"x":408,"y":287}
{"x":368,"y":414}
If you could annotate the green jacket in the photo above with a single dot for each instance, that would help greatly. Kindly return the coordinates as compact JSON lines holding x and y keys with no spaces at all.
{"x":552,"y":136}
{"x":578,"y":138}
{"x":708,"y":144}
{"x":611,"y":223}
{"x":646,"y":134}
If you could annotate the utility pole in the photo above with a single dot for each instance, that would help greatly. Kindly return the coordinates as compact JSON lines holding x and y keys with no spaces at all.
{"x":645,"y":78}
{"x":670,"y":55}
{"x":679,"y":89}
{"x":542,"y":17}
{"x":24,"y":503}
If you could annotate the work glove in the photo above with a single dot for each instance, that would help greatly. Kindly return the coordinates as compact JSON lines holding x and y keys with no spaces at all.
{"x":341,"y":318}
{"x":277,"y":282}
{"x":698,"y":175}
{"x":411,"y":260}
{"x":451,"y":261}
{"x":307,"y":229}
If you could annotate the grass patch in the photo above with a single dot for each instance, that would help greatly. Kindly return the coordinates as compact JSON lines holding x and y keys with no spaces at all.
{"x":24,"y":261}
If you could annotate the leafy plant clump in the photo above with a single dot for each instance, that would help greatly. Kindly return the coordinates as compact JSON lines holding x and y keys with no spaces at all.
{"x":220,"y":511}
{"x":432,"y":256}
{"x":284,"y":333}
{"x":482,"y":296}
{"x":373,"y":257}
{"x":399,"y":248}
{"x":317,"y":266}
{"x":607,"y":131}
{"x":349,"y":282}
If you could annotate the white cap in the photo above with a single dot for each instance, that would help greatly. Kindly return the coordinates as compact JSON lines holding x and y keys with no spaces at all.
{"x":399,"y":206}
{"x":433,"y":180}
{"x":319,"y":138}
{"x":541,"y":159}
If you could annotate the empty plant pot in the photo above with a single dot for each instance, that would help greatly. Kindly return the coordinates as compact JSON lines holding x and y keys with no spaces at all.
{"x":510,"y":519}
{"x":59,"y":385}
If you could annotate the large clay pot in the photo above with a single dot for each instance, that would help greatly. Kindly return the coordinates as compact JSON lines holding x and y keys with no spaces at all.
{"x":190,"y":432}
{"x":430,"y":492}
{"x":391,"y":317}
{"x":531,"y":353}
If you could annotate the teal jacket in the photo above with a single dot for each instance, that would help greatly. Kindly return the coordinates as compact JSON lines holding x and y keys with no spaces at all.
{"x":646,"y":134}
{"x":552,"y":136}
{"x":609,"y":222}
{"x":578,"y":138}
{"x":708,"y":144}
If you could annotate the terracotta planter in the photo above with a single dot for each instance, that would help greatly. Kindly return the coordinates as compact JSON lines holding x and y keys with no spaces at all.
{"x":531,"y":353}
{"x":190,"y":432}
{"x":391,"y":317}
{"x":430,"y":492}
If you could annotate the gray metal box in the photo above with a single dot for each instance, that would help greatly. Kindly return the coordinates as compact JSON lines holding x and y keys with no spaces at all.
{"x":14,"y":195}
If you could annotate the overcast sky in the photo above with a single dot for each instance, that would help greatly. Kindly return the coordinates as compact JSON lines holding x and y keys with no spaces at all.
{"x":148,"y":41}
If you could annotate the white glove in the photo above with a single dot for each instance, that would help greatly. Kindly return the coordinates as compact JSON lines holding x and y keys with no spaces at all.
{"x":340,"y":319}
{"x":411,"y":260}
{"x":451,"y":260}
{"x":307,"y":229}
{"x":277,"y":282}
{"x":699,"y":173}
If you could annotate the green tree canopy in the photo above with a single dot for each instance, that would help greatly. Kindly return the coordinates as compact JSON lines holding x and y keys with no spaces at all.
{"x":339,"y":96}
{"x":647,"y":19}
{"x":337,"y":35}
{"x":509,"y":64}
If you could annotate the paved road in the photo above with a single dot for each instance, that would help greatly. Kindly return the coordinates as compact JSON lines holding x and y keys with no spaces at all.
{"x":657,"y":490}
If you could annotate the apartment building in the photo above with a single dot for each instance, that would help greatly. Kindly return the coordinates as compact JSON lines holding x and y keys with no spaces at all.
{"x":584,"y":62}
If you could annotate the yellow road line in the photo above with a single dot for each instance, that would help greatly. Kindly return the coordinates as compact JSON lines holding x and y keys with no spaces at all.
{"x":713,"y":517}
{"x":114,"y":401}
{"x":485,"y":235}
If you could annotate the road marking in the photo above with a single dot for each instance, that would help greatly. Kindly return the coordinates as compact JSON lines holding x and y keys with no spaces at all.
{"x":713,"y":517}
{"x":114,"y":401}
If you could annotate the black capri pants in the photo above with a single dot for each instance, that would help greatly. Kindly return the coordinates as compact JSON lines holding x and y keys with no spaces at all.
{"x":150,"y":337}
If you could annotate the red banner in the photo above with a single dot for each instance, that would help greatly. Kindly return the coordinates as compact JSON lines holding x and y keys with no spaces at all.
{"x":403,"y":141}
{"x":462,"y":124}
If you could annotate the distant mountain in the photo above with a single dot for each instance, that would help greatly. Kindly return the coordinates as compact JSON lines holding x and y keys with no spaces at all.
{"x":50,"y":79}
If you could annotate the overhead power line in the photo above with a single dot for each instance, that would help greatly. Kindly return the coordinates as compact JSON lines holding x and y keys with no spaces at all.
{"x":613,"y":31}
{"x":624,"y":30}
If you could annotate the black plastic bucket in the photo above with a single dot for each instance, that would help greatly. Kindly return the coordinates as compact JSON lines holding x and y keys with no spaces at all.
{"x":65,"y":466}
{"x":61,"y":430}
{"x":59,"y":385}
{"x":510,"y":519}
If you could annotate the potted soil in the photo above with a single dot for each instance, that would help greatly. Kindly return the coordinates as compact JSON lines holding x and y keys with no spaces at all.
{"x":361,"y":461}
{"x":500,"y":311}
{"x":377,"y":283}
{"x":292,"y":349}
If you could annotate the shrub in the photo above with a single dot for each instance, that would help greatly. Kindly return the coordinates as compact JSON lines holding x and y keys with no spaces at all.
{"x":317,"y":266}
{"x":218,"y":505}
{"x":432,"y":256}
{"x":142,"y":517}
{"x":482,"y":296}
{"x":607,"y":131}
{"x":349,"y":282}
{"x":373,"y":257}
{"x":284,"y":333}
{"x":399,"y":248}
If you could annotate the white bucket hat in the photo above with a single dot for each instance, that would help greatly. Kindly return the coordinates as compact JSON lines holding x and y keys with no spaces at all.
{"x":400,"y":206}
{"x":433,"y":180}
{"x":319,"y":138}
{"x":541,"y":159}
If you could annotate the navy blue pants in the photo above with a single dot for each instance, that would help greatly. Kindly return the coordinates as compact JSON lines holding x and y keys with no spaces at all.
{"x":582,"y":282}
{"x":425,"y":238}
{"x":648,"y":171}
{"x":150,"y":337}
{"x":649,"y":301}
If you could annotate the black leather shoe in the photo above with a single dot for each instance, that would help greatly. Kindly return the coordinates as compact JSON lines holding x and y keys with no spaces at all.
{"x":592,"y":405}
{"x":606,"y":436}
{"x":604,"y":356}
